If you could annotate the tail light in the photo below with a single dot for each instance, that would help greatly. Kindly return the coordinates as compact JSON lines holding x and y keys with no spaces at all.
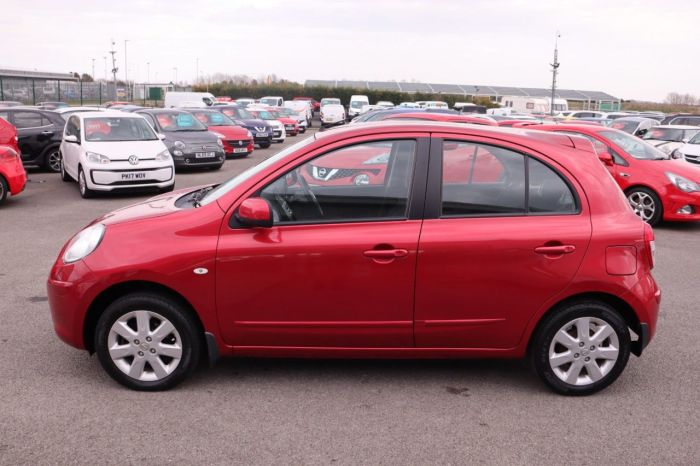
{"x":650,"y":244}
{"x":8,"y":155}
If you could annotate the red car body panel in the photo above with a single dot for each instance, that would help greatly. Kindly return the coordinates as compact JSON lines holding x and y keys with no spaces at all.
{"x":11,"y":167}
{"x":308,"y":290}
{"x":650,"y":174}
{"x":235,"y":137}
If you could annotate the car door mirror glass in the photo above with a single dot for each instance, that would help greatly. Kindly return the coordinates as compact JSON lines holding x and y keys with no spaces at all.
{"x":255,"y":212}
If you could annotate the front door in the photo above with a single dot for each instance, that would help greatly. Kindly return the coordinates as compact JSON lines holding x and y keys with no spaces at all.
{"x":507,"y":231}
{"x":337,"y":269}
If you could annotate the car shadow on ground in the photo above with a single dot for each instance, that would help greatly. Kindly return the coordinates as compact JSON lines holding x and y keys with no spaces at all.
{"x":456,"y":376}
{"x":678,"y":226}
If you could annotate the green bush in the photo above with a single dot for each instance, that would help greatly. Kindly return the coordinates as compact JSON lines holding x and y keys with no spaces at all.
{"x":289,"y":90}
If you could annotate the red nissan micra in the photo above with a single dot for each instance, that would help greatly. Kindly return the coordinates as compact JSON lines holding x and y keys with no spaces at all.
{"x":542,"y":258}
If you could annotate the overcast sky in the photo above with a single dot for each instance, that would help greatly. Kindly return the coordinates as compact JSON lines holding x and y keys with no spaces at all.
{"x":631,"y":49}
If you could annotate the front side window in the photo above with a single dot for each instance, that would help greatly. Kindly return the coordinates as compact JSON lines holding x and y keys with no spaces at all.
{"x":634,"y":146}
{"x":484,"y":180}
{"x":362,"y":182}
{"x":72,"y":127}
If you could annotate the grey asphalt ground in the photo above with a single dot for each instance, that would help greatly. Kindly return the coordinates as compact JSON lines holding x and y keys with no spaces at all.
{"x":57,"y":406}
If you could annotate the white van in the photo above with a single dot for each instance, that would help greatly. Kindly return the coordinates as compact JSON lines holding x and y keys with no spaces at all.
{"x":272,"y":101}
{"x":177,"y":99}
{"x":524,"y":104}
{"x":356,"y":103}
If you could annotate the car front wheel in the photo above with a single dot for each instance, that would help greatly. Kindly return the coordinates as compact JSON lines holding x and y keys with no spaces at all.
{"x":85,"y":192}
{"x":3,"y":189}
{"x":147,"y":342}
{"x":581,"y":349}
{"x":646,"y":204}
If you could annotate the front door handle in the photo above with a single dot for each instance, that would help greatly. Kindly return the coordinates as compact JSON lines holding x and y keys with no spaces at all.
{"x":386,"y":254}
{"x":46,"y":133}
{"x":624,"y":175}
{"x":555,"y":250}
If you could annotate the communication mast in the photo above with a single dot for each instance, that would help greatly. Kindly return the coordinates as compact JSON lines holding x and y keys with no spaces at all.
{"x":555,"y":68}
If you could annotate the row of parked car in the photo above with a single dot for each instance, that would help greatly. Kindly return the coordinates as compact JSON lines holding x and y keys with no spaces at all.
{"x":122,"y":146}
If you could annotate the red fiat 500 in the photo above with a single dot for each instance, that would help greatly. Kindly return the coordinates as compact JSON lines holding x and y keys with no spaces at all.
{"x":541,"y":258}
{"x":657,"y":186}
{"x":237,"y":140}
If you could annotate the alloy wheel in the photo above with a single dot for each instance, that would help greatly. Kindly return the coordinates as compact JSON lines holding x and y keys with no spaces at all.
{"x":82,"y":184}
{"x":642,"y":204}
{"x":54,"y":161}
{"x":144,"y":345}
{"x":584,"y":350}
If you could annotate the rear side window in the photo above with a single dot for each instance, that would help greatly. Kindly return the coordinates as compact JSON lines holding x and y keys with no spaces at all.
{"x":484,"y":180}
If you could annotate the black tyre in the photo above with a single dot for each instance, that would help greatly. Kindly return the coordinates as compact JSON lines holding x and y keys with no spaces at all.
{"x":581,"y":348}
{"x":265,"y":145}
{"x":4,"y":188}
{"x":85,"y":192}
{"x":52,"y":160}
{"x":64,"y":174}
{"x":646,"y":204}
{"x":147,"y":342}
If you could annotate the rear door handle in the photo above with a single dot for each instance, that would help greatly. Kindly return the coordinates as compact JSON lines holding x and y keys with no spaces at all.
{"x":555,"y":250}
{"x":385,"y":253}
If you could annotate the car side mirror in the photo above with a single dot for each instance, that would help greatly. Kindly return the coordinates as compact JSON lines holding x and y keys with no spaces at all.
{"x":71,"y":138}
{"x":606,"y":158}
{"x":642,"y":132}
{"x":685,"y":140}
{"x":161,"y":136}
{"x":255,"y":212}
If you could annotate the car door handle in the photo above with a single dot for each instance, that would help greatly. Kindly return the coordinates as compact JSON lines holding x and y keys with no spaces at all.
{"x":624,"y":175}
{"x":555,"y":250}
{"x":385,"y":253}
{"x":46,"y":133}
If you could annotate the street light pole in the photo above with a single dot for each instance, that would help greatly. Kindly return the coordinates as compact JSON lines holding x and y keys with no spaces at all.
{"x":105,"y":59}
{"x":555,"y":69}
{"x":93,"y":70}
{"x":197,"y":80}
{"x":148,"y":72}
{"x":175,"y":68}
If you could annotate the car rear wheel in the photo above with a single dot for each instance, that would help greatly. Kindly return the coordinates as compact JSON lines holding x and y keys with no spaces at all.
{"x":4,"y":188}
{"x":581,"y":349}
{"x":64,"y":175}
{"x":147,"y":342}
{"x":85,"y":192}
{"x":646,"y":204}
{"x":52,"y":160}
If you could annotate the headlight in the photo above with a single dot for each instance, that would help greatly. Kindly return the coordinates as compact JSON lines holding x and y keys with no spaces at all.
{"x":683,"y":184}
{"x":677,"y":154}
{"x":84,"y":243}
{"x":165,"y":155}
{"x":249,"y":134}
{"x":220,"y":142}
{"x":94,"y":157}
{"x":179,"y":145}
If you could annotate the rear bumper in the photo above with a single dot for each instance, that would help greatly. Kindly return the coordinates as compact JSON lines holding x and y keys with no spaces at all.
{"x":17,"y":182}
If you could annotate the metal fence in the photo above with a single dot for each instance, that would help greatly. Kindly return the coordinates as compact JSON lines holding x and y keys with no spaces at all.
{"x":31,"y":91}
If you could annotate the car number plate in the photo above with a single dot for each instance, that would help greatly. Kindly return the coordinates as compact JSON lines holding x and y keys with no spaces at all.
{"x":238,"y":150}
{"x":262,"y":135}
{"x":204,"y":155}
{"x":133,"y":176}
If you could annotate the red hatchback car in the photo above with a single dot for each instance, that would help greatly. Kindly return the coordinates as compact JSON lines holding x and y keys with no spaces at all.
{"x":13,"y":178}
{"x":238,"y":141}
{"x":544,"y":259}
{"x":656,"y":186}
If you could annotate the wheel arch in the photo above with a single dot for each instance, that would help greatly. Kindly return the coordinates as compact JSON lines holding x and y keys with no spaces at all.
{"x":109,"y":295}
{"x":620,"y":305}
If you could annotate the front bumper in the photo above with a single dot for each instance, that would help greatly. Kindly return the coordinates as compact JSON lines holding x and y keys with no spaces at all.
{"x":239,"y":147}
{"x":69,"y":289}
{"x":123,"y":175}
{"x":676,"y":205}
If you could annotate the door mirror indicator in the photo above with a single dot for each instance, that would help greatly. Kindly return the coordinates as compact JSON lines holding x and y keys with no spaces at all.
{"x":71,"y":138}
{"x":255,"y":212}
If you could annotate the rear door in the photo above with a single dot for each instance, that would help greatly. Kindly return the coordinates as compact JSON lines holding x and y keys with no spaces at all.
{"x":505,"y":230}
{"x":34,"y":132}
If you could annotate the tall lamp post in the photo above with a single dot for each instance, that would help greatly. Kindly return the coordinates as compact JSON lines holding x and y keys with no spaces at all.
{"x":175,"y":83}
{"x":126,"y":71}
{"x":555,"y":69}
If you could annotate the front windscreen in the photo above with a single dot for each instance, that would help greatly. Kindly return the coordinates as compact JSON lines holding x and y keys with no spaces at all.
{"x":118,"y":129}
{"x":174,"y":121}
{"x":213,"y":119}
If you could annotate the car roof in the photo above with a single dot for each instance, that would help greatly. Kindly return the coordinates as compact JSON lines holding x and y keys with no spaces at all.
{"x":156,"y":111}
{"x":635,"y":118}
{"x":677,"y":127}
{"x":106,"y":114}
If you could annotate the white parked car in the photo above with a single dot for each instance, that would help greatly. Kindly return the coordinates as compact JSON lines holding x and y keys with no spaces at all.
{"x":272,"y":101}
{"x":332,"y":115}
{"x":357,"y":102}
{"x":409,"y":105}
{"x":244,"y":101}
{"x":586,"y":114}
{"x":435,"y":104}
{"x":670,"y":138}
{"x":691,"y":150}
{"x":330,"y":101}
{"x":178,"y":99}
{"x":261,"y":112}
{"x":301,"y":106}
{"x":113,"y":150}
{"x":385,"y":104}
{"x":66,"y":112}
